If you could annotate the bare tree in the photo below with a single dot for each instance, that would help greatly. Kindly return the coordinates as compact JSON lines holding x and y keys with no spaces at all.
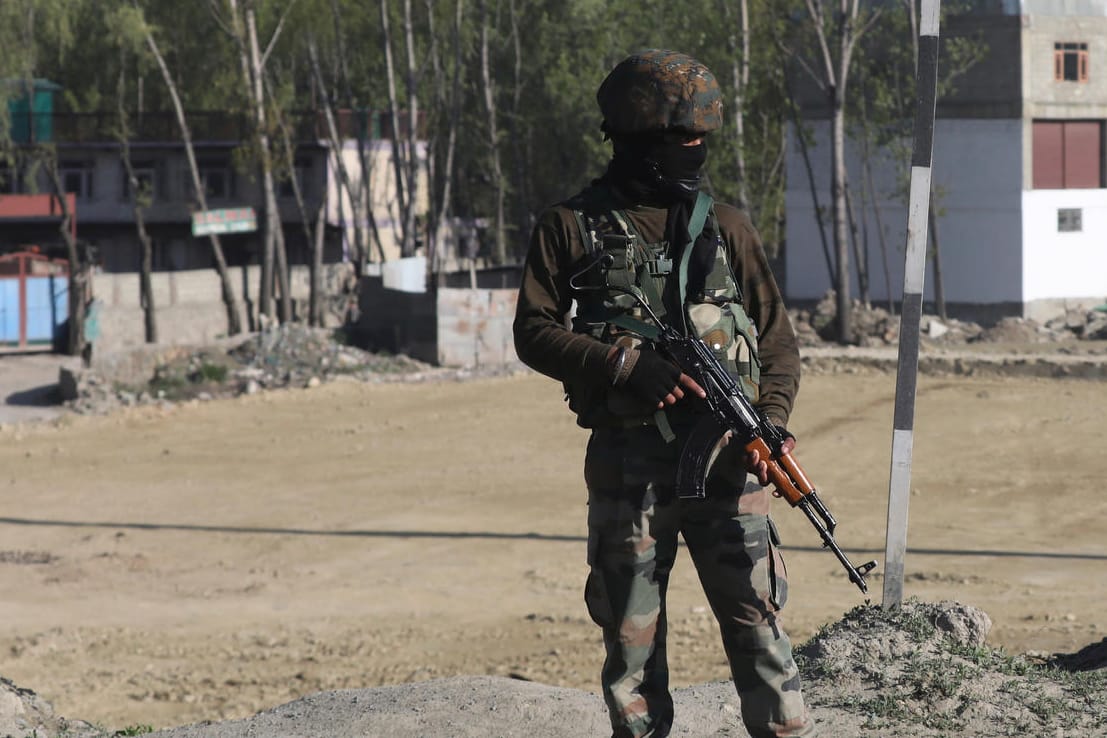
{"x":837,"y":26}
{"x":517,"y":130}
{"x":451,"y":103}
{"x":738,"y":47}
{"x":356,"y":191}
{"x":243,"y":30}
{"x":411,"y":135}
{"x":234,"y":322}
{"x":488,"y":89}
{"x":79,"y":275}
{"x":404,"y":187}
{"x":288,"y":148}
{"x":140,"y":200}
{"x":363,"y":190}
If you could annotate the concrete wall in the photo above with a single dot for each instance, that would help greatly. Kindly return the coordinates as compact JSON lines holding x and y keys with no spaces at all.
{"x":474,"y":326}
{"x":189,"y":305}
{"x":1048,"y":98}
{"x":444,"y":326}
{"x":977,"y":170}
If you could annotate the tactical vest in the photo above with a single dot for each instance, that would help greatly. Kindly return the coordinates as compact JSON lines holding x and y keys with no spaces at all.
{"x":618,"y":260}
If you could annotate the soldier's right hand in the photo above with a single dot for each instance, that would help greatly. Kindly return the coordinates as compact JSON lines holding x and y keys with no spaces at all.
{"x":658,"y":380}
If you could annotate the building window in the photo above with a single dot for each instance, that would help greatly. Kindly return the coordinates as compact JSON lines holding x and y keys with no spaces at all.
{"x":1068,"y":154}
{"x":1070,"y":220}
{"x":147,"y":175}
{"x":302,"y":173}
{"x":77,"y":178}
{"x":217,"y":178}
{"x":1070,"y":62}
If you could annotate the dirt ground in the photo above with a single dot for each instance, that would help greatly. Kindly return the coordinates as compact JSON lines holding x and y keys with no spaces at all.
{"x":204,"y":562}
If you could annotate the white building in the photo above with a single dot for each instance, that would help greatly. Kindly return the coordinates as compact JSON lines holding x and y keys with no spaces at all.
{"x":1019,"y":162}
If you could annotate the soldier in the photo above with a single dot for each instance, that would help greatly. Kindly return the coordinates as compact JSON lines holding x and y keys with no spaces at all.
{"x":644,"y":232}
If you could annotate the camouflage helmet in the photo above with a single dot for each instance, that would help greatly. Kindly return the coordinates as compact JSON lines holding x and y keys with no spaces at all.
{"x":657,"y":90}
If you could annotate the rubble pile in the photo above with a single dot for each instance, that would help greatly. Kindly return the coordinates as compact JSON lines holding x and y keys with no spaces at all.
{"x":24,"y":713}
{"x":874,"y":326}
{"x":289,"y":355}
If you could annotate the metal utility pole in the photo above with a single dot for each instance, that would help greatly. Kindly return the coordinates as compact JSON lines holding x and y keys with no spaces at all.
{"x":914,"y":274}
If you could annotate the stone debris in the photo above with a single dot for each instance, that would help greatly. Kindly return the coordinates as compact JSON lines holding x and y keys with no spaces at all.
{"x":289,"y":355}
{"x":24,"y":713}
{"x":874,"y":326}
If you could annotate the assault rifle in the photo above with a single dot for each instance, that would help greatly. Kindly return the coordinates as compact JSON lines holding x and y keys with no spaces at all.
{"x":730,"y":411}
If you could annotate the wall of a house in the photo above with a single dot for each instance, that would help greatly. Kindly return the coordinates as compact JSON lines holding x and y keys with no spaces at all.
{"x":1063,"y":269}
{"x":383,"y":192}
{"x":978,"y":175}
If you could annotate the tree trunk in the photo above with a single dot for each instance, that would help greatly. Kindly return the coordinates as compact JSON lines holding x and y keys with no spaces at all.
{"x":78,"y":268}
{"x":521,"y":186}
{"x":860,"y":248}
{"x":363,"y":190}
{"x":739,"y":51}
{"x":835,"y":68}
{"x":139,"y":201}
{"x":838,"y":216}
{"x":234,"y":322}
{"x":867,"y":184}
{"x":355,"y":194}
{"x":246,"y":37}
{"x":936,"y":256}
{"x":499,"y":255}
{"x":146,"y":290}
{"x":305,"y":219}
{"x":275,"y":233}
{"x":411,"y":150}
{"x":315,"y":312}
{"x":398,"y":167}
{"x":447,"y":173}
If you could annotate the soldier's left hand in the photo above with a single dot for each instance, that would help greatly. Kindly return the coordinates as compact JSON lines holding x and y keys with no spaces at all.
{"x":759,"y":467}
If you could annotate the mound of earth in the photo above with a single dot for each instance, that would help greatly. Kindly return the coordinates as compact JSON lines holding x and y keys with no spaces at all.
{"x":923,"y":670}
{"x":918,"y":671}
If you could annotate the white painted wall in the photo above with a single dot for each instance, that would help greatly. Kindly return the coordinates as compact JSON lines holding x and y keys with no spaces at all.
{"x":1064,"y":265}
{"x":978,"y":170}
{"x":382,"y":190}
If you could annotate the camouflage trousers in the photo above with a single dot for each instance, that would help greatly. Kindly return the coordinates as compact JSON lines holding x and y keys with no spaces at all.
{"x":634,"y":520}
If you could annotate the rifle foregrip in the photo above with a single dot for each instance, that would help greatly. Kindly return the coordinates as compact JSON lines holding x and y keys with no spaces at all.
{"x":784,"y":472}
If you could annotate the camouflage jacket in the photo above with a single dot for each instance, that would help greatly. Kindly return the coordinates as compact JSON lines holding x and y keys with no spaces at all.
{"x":544,"y":341}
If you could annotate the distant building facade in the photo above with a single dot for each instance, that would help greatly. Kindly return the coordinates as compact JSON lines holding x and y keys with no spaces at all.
{"x":91,"y":169}
{"x":1019,"y":167}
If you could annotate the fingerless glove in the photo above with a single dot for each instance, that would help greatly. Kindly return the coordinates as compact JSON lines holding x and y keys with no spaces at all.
{"x":651,"y":376}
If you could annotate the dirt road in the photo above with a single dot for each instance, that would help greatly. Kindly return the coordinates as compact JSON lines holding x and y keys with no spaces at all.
{"x":166,"y":566}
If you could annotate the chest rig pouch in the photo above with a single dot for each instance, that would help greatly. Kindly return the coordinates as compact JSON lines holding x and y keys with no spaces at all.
{"x":621,"y":261}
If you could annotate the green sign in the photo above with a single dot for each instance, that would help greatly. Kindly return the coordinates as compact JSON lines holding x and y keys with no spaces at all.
{"x":232,"y":220}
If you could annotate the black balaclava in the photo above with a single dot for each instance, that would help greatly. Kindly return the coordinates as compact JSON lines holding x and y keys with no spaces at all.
{"x":656,"y":170}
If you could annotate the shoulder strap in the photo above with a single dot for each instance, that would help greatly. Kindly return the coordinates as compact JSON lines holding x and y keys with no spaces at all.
{"x":695,"y":228}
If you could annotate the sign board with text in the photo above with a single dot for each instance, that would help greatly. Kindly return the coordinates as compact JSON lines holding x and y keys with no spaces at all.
{"x":230,"y":220}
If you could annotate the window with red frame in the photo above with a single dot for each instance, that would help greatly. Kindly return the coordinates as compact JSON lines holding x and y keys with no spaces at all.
{"x":1070,"y":61}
